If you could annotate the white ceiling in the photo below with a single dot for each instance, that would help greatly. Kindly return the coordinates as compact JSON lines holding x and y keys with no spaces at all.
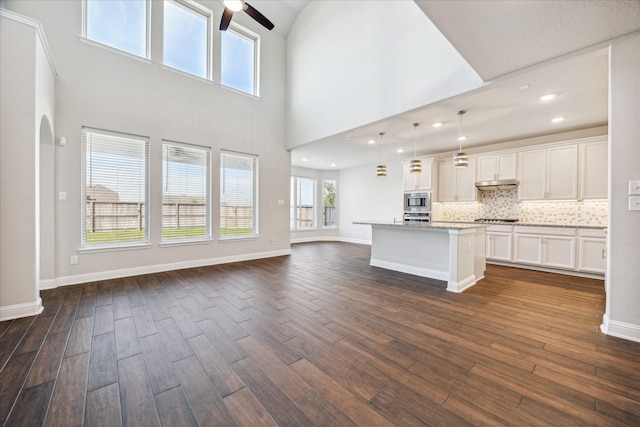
{"x":508,"y":40}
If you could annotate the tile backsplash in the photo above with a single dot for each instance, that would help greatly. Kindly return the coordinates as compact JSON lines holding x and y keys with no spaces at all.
{"x":504,"y":204}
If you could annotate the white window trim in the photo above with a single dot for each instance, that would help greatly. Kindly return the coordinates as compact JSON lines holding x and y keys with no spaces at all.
{"x":255,"y":38}
{"x":108,"y":247}
{"x":315,"y":204}
{"x":335,"y":183}
{"x":256,"y":198}
{"x":197,"y":8}
{"x":147,"y":56}
{"x":209,"y":233}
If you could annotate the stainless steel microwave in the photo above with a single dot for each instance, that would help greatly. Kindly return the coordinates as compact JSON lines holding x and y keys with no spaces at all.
{"x":417,"y":202}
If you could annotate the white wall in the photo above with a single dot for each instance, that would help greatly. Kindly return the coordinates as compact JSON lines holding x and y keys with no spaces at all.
{"x":622,"y":317}
{"x":392,"y":60}
{"x":102,"y":89}
{"x":27,"y":88}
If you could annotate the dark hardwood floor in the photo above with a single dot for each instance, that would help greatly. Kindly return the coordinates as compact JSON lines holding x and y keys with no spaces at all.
{"x":318,"y":338}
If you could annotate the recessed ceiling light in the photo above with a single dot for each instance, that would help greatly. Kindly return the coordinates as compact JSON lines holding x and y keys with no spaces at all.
{"x":462,"y":138}
{"x":304,"y":159}
{"x":557,"y":119}
{"x":547,"y":97}
{"x":437,"y":124}
{"x":333,"y":165}
{"x":400,"y":150}
{"x":524,"y":86}
{"x":372,"y":141}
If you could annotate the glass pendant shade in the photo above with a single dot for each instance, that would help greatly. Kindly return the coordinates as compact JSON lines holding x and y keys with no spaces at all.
{"x":460,"y":160}
{"x":415,"y":166}
{"x":381,"y":170}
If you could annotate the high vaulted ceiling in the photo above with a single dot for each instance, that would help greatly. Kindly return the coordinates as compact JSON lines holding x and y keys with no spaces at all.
{"x":522,"y":49}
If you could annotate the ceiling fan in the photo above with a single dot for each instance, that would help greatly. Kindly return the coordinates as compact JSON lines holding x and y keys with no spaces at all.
{"x":231,"y":6}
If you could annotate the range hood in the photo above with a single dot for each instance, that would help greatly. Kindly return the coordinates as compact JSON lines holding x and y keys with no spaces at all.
{"x":499,"y":184}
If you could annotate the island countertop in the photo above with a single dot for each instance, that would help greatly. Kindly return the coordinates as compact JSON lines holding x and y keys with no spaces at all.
{"x":423,"y":225}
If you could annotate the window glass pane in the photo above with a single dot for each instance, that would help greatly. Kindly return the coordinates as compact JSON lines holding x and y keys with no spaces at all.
{"x":303,"y":203}
{"x":238,"y":195}
{"x":238,"y":61}
{"x":115,"y":188}
{"x":329,"y":202}
{"x":185,"y":39}
{"x":121,"y":24}
{"x":185,"y":192}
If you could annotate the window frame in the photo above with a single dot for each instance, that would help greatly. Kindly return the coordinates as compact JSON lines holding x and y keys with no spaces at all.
{"x":197,"y":9}
{"x":147,"y":44}
{"x":249,"y":35}
{"x":335,"y":205}
{"x":207,"y":194}
{"x":255,"y":182}
{"x":123,"y":244}
{"x":295,"y":202}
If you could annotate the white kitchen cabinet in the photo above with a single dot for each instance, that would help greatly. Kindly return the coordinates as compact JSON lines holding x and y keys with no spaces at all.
{"x":496,"y":166}
{"x":548,"y":173}
{"x":499,"y":243}
{"x":422,"y":181}
{"x":593,"y":169}
{"x":457,"y":184}
{"x":592,"y":251}
{"x":552,"y":247}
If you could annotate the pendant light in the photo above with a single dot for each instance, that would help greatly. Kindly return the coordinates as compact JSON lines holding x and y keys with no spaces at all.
{"x":415,"y":165}
{"x":381,"y":169}
{"x":460,"y":159}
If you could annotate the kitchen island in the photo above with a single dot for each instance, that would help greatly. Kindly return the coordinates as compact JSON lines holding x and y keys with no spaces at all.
{"x":452,"y":252}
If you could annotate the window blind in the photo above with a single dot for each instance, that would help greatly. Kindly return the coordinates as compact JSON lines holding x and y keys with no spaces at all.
{"x":185,"y":192}
{"x":115,"y":188}
{"x":238,"y":194}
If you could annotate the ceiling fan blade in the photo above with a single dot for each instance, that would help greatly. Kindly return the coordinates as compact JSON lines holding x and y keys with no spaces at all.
{"x":252,"y":12}
{"x":226,"y":19}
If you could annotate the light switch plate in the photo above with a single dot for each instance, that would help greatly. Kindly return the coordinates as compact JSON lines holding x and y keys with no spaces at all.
{"x":62,"y":195}
{"x":634,"y":203}
{"x":634,"y":187}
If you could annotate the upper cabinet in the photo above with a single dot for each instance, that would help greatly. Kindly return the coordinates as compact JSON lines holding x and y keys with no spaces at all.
{"x":548,"y":173}
{"x":422,"y":181}
{"x":496,"y":166}
{"x":457,"y":184}
{"x":593,"y":168}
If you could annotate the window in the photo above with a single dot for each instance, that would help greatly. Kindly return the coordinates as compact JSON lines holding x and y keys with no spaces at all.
{"x":186,"y":38}
{"x":239,"y":60}
{"x":115,"y":188}
{"x":303,"y":203}
{"x":185,"y":192}
{"x":238,"y":195}
{"x":121,"y":24}
{"x":329,"y":202}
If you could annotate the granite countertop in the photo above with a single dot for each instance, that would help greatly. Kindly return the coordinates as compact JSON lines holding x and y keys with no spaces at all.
{"x":444,"y":225}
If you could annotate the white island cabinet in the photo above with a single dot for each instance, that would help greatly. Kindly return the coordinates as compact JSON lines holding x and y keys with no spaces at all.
{"x":451,"y":252}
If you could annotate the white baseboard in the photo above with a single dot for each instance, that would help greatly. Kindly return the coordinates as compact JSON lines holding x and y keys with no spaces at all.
{"x":135,"y":271}
{"x":15,"y":311}
{"x":623,"y":330}
{"x":465,"y":283}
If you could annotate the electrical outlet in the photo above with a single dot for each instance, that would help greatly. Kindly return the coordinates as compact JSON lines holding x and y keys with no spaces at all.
{"x":273,"y":240}
{"x":62,"y":195}
{"x":73,"y":260}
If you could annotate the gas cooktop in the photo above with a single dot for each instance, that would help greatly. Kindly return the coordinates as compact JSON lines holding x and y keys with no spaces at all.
{"x":495,"y":220}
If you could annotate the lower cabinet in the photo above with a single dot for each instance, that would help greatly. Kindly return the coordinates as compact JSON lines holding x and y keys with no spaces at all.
{"x":563,"y":248}
{"x":592,"y":250}
{"x":552,"y":247}
{"x":499,"y":243}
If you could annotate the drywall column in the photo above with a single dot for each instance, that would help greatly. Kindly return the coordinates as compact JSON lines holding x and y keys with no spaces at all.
{"x":622,"y":317}
{"x":27,"y":88}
